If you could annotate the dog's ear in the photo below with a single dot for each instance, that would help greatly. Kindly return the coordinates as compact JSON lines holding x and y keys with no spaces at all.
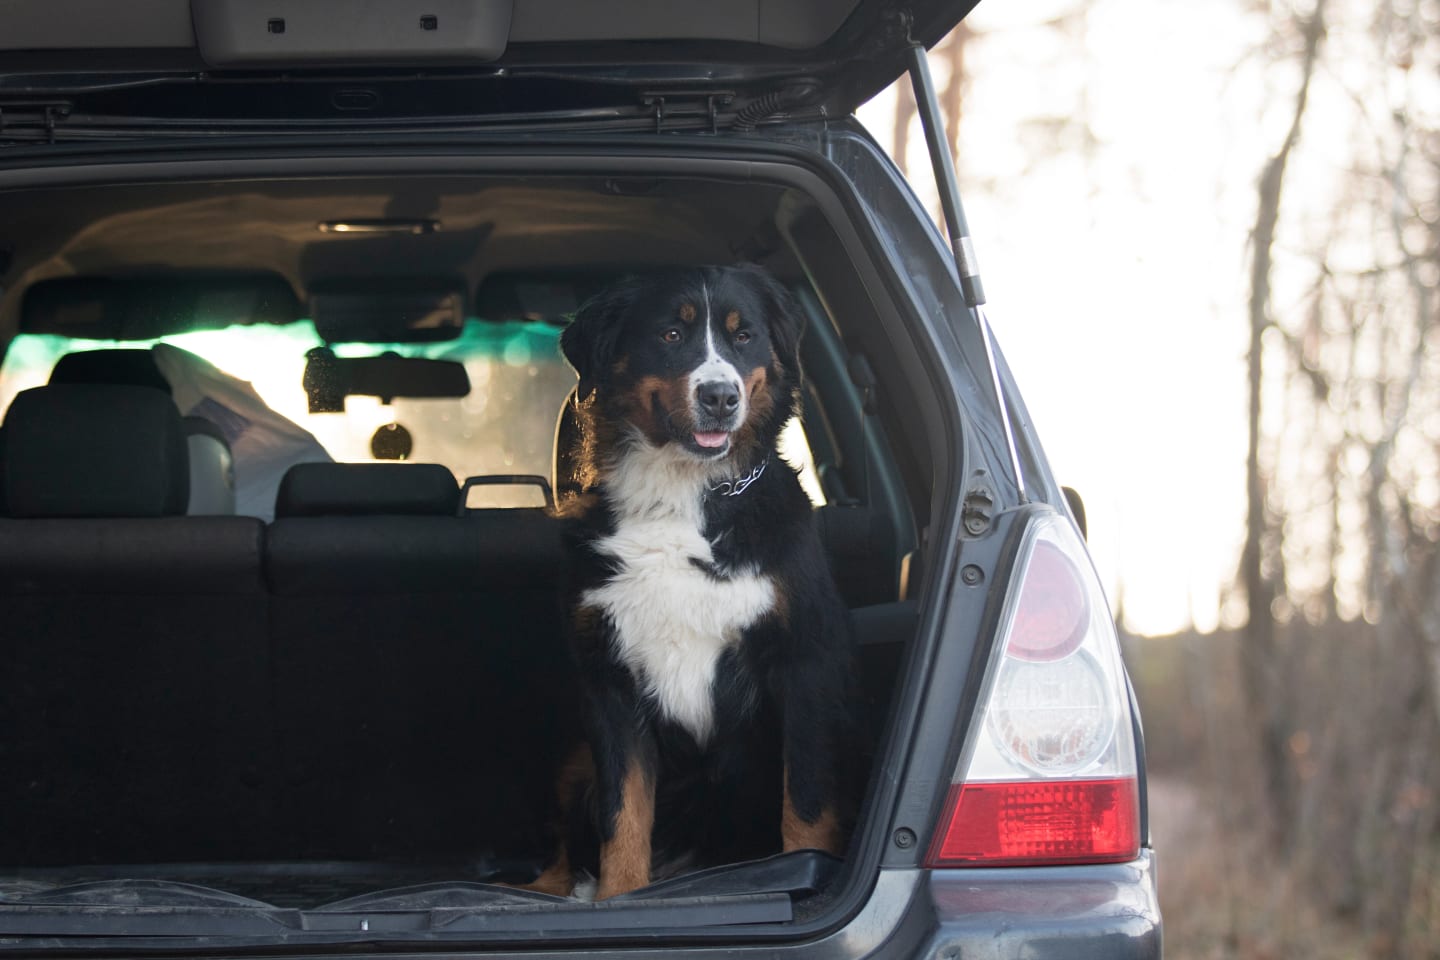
{"x":787,"y":323}
{"x":589,"y":342}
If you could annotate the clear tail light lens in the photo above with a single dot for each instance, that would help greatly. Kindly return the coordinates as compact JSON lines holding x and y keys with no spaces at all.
{"x":1050,"y":775}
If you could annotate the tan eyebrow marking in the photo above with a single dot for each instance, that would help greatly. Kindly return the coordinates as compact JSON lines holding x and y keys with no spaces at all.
{"x":732,"y":321}
{"x":687,"y":312}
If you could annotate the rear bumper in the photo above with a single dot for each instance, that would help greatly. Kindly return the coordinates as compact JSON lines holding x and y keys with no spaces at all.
{"x":1076,"y":913}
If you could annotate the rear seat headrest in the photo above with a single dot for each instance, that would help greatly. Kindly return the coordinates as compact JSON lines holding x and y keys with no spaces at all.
{"x":92,"y":450}
{"x":128,"y":366}
{"x":212,"y":466}
{"x":367,"y":489}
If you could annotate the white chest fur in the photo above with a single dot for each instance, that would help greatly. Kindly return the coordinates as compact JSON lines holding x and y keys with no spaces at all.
{"x":672,"y":619}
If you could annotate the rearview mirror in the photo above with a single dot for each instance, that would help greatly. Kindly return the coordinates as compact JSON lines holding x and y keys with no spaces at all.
{"x":330,"y":379}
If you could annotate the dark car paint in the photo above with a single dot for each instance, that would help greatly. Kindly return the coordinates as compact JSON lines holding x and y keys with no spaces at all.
{"x":704,"y":79}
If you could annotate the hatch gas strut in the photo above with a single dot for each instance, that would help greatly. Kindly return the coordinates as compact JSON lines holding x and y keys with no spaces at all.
{"x":966,"y":265}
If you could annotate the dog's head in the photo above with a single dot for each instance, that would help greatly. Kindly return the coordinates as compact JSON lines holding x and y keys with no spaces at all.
{"x":705,"y":359}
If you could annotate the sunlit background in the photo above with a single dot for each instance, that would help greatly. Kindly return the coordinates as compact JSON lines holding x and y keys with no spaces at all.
{"x":1107,"y":156}
{"x":1161,"y":191}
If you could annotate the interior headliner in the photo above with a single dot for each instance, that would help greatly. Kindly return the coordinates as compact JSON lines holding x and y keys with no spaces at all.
{"x":485,"y":226}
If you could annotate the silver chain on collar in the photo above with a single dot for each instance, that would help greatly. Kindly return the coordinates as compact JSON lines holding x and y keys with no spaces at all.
{"x":738,"y":485}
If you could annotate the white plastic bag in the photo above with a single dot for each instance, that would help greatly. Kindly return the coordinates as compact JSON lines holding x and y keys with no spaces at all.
{"x":263,"y":443}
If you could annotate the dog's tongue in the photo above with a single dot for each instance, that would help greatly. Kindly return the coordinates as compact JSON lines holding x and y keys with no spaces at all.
{"x":711,"y":439}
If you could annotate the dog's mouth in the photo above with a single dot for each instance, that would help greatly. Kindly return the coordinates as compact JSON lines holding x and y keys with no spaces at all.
{"x":712,"y":440}
{"x":709,"y":443}
{"x":711,"y":435}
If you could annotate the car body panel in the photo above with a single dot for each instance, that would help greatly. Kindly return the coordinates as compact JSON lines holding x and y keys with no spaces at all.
{"x":754,"y":57}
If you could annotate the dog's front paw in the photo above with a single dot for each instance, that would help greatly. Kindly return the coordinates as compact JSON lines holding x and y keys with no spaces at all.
{"x":615,"y":882}
{"x":821,"y":834}
{"x":557,"y":879}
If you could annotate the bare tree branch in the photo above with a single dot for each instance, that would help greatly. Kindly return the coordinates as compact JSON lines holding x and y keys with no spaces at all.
{"x":1260,"y":659}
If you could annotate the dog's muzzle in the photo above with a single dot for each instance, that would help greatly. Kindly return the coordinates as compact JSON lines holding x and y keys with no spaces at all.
{"x":717,"y":406}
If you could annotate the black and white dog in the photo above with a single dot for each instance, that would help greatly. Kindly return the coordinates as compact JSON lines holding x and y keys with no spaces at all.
{"x":714,"y":652}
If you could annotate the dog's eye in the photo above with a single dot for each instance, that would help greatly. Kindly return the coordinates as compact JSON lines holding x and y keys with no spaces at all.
{"x":742,"y":337}
{"x":671,"y":335}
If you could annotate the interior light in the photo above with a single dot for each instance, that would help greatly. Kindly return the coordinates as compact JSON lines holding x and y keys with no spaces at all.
{"x":393,"y":226}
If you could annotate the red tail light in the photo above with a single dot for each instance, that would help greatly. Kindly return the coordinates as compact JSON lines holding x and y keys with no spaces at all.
{"x":1050,"y":776}
{"x":1039,"y":822}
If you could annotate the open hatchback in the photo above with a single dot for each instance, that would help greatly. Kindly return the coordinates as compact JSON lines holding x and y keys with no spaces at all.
{"x":282,"y":656}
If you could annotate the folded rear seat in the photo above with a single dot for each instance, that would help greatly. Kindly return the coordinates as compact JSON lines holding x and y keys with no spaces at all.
{"x":420,"y":669}
{"x":133,"y":667}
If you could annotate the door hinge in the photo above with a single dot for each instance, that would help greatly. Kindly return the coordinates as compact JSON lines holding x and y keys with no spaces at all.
{"x":681,"y":109}
{"x":978,"y":507}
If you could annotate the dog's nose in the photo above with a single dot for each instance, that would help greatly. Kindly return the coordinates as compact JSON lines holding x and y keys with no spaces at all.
{"x":718,"y":398}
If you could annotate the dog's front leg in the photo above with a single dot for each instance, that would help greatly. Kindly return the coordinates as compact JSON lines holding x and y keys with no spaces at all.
{"x":625,"y":766}
{"x":625,"y":846}
{"x":809,"y":818}
{"x":809,"y":821}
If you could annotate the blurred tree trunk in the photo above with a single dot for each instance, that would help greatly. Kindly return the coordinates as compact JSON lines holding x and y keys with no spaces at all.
{"x":952,"y":49}
{"x":900,"y":130}
{"x":1260,"y":659}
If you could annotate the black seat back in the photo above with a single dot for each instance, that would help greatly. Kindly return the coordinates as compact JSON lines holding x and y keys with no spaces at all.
{"x":860,"y":544}
{"x":132,"y":642}
{"x":419,"y":666}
